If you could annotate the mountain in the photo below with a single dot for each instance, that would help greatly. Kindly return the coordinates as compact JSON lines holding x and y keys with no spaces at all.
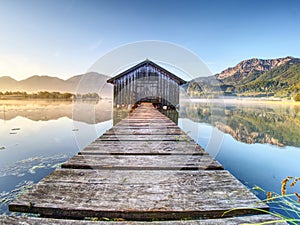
{"x":84,"y":83}
{"x":40,"y":83}
{"x":253,"y":77}
{"x":8,"y":83}
{"x":250,"y":68}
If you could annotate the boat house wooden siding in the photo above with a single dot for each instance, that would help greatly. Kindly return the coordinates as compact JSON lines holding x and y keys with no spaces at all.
{"x":146,"y":82}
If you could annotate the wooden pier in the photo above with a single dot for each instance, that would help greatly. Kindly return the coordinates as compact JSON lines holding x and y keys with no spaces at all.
{"x":145,"y":168}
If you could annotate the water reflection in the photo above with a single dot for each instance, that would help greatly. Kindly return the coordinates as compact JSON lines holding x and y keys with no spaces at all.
{"x":248,"y":139}
{"x":172,"y":114}
{"x":255,"y":123}
{"x":90,"y":112}
{"x":36,"y":136}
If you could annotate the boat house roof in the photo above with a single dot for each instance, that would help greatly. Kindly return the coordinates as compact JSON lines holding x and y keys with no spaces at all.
{"x":147,"y":62}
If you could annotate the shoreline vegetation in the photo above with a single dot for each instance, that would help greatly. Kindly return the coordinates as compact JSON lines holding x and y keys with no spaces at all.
{"x":18,"y":95}
{"x":242,"y":100}
{"x":194,"y":91}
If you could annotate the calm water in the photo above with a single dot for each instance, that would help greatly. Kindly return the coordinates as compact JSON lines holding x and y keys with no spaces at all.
{"x":258,"y":143}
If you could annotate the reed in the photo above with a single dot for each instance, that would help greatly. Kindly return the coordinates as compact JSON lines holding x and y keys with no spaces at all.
{"x":285,"y":207}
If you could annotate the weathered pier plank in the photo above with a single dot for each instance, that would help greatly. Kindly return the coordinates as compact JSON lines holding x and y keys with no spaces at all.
{"x":147,"y":124}
{"x":143,"y":162}
{"x":254,"y":219}
{"x":143,"y":131}
{"x":153,"y":137}
{"x":144,"y":168}
{"x":138,"y":195}
{"x":143,"y":148}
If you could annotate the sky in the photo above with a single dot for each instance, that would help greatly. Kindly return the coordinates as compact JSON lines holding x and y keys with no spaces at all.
{"x":64,"y":38}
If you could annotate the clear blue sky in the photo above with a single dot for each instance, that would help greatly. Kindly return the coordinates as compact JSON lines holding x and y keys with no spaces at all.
{"x":64,"y":37}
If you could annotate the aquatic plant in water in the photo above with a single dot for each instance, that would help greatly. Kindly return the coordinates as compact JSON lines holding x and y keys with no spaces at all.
{"x":22,"y":169}
{"x":7,"y":197}
{"x":30,"y":165}
{"x":286,"y":207}
{"x":287,"y":203}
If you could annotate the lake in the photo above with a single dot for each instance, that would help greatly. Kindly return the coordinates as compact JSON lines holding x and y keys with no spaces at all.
{"x":258,"y":142}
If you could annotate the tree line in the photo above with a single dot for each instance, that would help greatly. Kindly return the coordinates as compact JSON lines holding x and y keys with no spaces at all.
{"x":254,"y":89}
{"x":47,"y":95}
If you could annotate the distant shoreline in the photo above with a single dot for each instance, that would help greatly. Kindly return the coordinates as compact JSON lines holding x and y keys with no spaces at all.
{"x":49,"y":95}
{"x":32,"y":99}
{"x":243,"y":100}
{"x":54,"y":99}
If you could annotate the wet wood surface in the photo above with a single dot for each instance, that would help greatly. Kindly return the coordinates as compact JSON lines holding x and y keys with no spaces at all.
{"x":140,"y":172}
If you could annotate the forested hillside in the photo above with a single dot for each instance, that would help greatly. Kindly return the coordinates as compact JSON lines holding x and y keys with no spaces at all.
{"x":253,"y":77}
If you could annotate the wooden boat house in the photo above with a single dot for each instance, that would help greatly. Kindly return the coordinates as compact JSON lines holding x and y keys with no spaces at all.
{"x":146,"y":82}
